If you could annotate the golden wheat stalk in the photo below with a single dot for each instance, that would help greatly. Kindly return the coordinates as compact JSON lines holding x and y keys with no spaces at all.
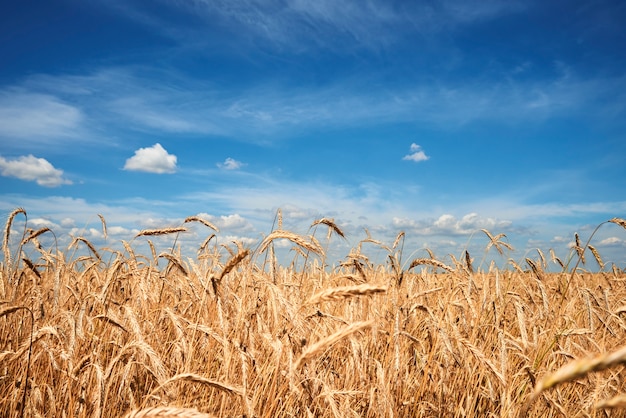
{"x":332,"y":226}
{"x":596,"y":255}
{"x":202,"y":221}
{"x":556,"y":259}
{"x":401,"y":235}
{"x":497,"y":242}
{"x":7,"y":233}
{"x":534,"y":268}
{"x":345,"y":292}
{"x":89,"y":245}
{"x":31,"y":267}
{"x":319,"y":347}
{"x":166,"y":412}
{"x":10,"y":309}
{"x":232,"y":263}
{"x":542,"y":257}
{"x":468,"y":262}
{"x":174,"y":260}
{"x":619,"y":221}
{"x":430,"y":262}
{"x":205,"y":243}
{"x":162,"y":231}
{"x":195,"y":378}
{"x":104,"y":226}
{"x":578,"y":247}
{"x":618,"y":401}
{"x":579,"y":368}
{"x":478,"y":355}
{"x":311,"y":244}
{"x":35,"y":234}
{"x":109,"y":320}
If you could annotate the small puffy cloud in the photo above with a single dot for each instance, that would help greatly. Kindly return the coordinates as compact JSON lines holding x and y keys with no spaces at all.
{"x":233,"y":222}
{"x":121,"y":231}
{"x":246,"y":241}
{"x":31,"y":168}
{"x":87,"y":233}
{"x":612,"y":242}
{"x":417,"y":154}
{"x":68,"y":223}
{"x":230,"y":164}
{"x":154,"y":159}
{"x":41,"y":223}
{"x":558,"y":239}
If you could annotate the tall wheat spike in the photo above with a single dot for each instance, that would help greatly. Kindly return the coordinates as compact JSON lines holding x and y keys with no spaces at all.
{"x":7,"y":234}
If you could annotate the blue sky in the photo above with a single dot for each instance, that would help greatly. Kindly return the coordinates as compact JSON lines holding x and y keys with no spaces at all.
{"x":434,"y":118}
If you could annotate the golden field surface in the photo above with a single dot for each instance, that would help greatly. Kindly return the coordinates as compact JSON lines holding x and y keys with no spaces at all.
{"x":231,"y":332}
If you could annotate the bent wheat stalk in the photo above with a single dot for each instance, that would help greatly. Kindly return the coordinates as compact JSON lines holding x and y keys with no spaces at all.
{"x":167,"y":412}
{"x":321,"y":346}
{"x":311,"y":244}
{"x":345,"y":292}
{"x":578,"y":368}
{"x":194,"y":378}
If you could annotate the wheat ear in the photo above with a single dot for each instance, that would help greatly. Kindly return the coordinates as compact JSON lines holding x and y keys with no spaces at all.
{"x":618,"y":401}
{"x":162,"y":231}
{"x":7,"y":232}
{"x":202,"y":221}
{"x":430,"y":262}
{"x":579,"y":368}
{"x":345,"y":292}
{"x":619,"y":221}
{"x":167,"y":412}
{"x":320,"y":346}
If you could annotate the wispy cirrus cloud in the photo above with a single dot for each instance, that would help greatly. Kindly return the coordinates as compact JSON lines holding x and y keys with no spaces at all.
{"x":37,"y":116}
{"x":300,"y":25}
{"x":111,"y":100}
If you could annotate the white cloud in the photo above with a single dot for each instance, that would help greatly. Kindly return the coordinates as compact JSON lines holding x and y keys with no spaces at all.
{"x":121,"y":231}
{"x":119,"y":98}
{"x":448,"y":224}
{"x":67,"y":223}
{"x":154,"y":159}
{"x":31,"y":168}
{"x":301,"y":24}
{"x":417,"y":154}
{"x":234,"y":222}
{"x":88,"y":233}
{"x":559,"y":239}
{"x":612,"y":242}
{"x":230,"y":164}
{"x":37,"y":223}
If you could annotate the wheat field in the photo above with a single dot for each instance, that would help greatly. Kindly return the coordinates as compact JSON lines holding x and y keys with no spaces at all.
{"x":231,"y":332}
